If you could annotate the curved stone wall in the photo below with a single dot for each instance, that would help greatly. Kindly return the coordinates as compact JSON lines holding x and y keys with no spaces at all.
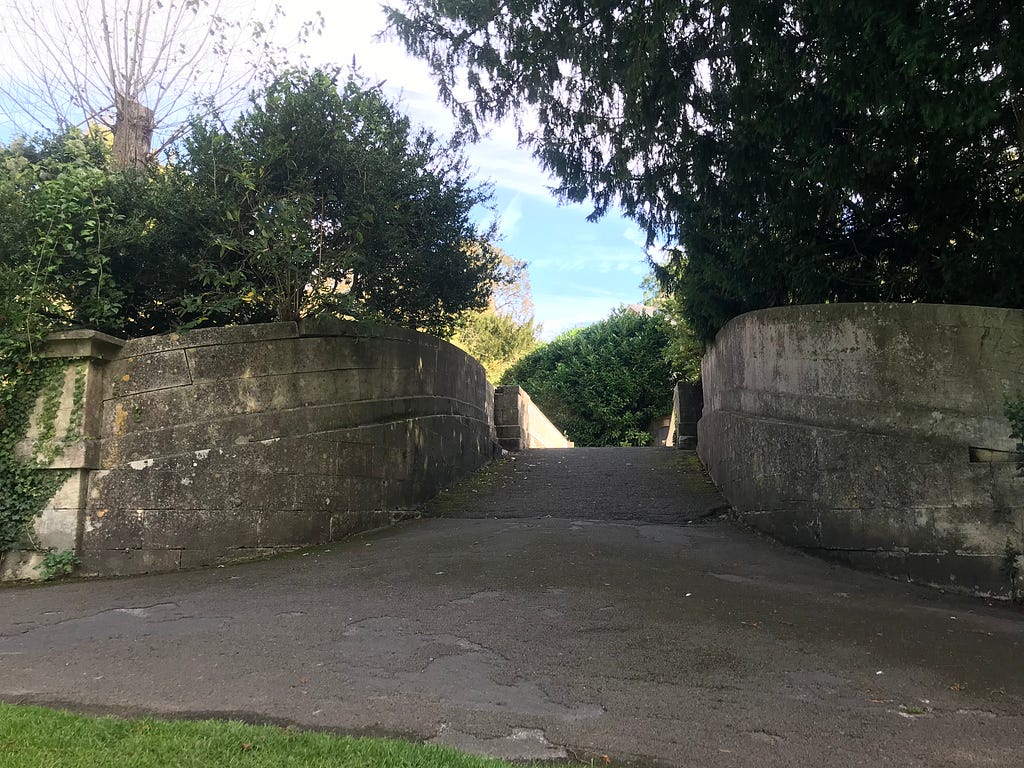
{"x":220,"y":444}
{"x":874,"y":433}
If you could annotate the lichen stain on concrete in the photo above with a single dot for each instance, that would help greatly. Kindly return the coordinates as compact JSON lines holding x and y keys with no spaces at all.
{"x":120,"y":419}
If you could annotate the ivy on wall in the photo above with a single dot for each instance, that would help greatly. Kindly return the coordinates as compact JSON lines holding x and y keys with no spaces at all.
{"x":26,"y":485}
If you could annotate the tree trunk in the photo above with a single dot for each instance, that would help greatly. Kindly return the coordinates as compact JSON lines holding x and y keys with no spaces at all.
{"x":133,"y":133}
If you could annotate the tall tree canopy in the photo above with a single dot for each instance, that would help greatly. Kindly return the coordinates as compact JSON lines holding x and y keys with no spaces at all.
{"x":792,"y":151}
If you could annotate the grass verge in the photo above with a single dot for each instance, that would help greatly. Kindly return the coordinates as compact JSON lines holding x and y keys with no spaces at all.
{"x":34,"y":737}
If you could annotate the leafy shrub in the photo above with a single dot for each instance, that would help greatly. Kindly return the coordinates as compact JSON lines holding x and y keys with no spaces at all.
{"x":603,"y":384}
{"x":58,"y":564}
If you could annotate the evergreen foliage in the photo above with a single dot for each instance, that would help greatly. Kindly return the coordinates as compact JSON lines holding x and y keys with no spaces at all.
{"x":602,"y":384}
{"x":795,"y":151}
{"x":329,"y":201}
{"x":684,"y":350}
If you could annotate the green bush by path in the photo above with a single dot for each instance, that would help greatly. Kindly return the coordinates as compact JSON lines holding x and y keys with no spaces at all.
{"x":603,"y":384}
{"x":33,"y":737}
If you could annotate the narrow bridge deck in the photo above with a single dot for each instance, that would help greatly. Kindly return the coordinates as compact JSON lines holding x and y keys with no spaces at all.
{"x":588,"y":619}
{"x":639,"y":484}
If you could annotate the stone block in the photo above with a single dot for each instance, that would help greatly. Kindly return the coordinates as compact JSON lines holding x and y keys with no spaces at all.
{"x":68,"y":444}
{"x":961,"y":572}
{"x":81,"y":344}
{"x":889,"y":563}
{"x":316,"y":492}
{"x":203,"y":337}
{"x":110,"y":528}
{"x":128,"y":376}
{"x":56,"y":528}
{"x":366,"y":493}
{"x":72,"y":493}
{"x":128,"y":562}
{"x":300,"y":529}
{"x":396,"y":493}
{"x":345,"y":524}
{"x":279,"y":357}
{"x":20,"y":565}
{"x":333,"y":326}
{"x":350,"y":459}
{"x":218,"y":530}
{"x":146,"y":488}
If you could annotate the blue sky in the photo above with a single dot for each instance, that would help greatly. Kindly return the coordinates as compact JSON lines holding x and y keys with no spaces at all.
{"x":579,"y":270}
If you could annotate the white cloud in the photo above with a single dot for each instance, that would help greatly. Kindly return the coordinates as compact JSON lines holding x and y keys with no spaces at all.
{"x":654,"y":252}
{"x":509,"y":219}
{"x":586,"y":258}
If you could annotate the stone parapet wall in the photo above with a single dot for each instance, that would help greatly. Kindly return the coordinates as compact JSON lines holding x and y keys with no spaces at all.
{"x":874,"y":433}
{"x":520,"y":424}
{"x":222,"y":444}
{"x":687,"y":405}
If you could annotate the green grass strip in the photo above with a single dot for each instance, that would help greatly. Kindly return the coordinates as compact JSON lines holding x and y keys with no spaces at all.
{"x":33,"y":737}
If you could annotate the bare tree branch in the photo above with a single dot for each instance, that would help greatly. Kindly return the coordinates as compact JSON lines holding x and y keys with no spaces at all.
{"x":137,"y":67}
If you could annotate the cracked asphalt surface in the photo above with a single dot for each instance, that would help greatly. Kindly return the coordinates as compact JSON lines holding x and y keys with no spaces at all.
{"x":567,"y":604}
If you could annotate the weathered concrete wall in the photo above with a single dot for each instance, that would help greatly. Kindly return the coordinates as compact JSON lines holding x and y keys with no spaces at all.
{"x":520,"y":424}
{"x":222,"y":444}
{"x":848,"y":429}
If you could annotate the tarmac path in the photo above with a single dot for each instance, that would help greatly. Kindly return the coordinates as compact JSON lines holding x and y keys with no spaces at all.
{"x":575,"y":603}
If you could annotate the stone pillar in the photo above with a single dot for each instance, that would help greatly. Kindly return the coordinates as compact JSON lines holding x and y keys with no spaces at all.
{"x":687,"y":407}
{"x":508,"y":419}
{"x":63,"y":437}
